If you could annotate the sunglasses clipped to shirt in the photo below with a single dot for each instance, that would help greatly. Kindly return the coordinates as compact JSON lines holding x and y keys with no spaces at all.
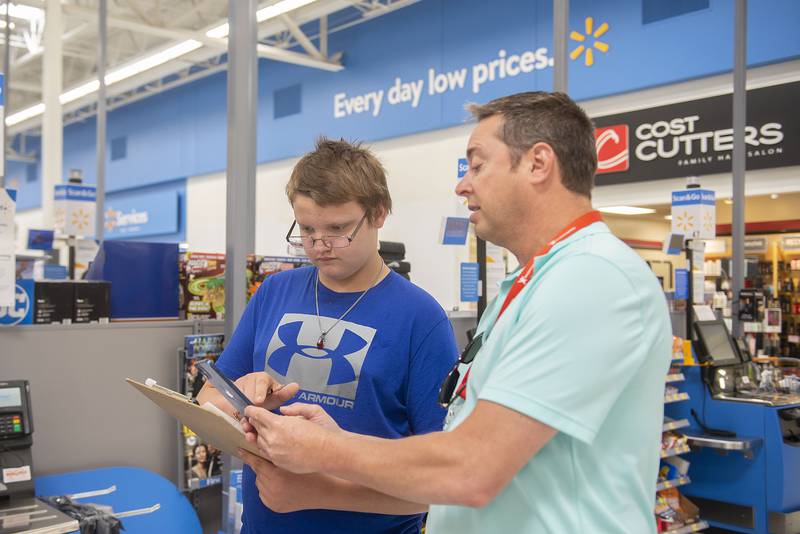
{"x":448,"y":392}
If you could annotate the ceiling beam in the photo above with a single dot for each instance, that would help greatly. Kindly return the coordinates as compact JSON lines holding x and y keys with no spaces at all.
{"x":314,"y":11}
{"x":264,"y":51}
{"x":68,"y":36}
{"x":301,"y":37}
{"x":25,"y":87}
{"x":140,"y":12}
{"x":198,"y":12}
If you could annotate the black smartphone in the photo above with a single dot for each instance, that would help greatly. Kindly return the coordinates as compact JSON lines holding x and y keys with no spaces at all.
{"x":224,"y":385}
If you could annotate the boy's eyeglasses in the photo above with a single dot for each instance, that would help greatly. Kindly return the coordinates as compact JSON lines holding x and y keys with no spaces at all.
{"x":330,"y":241}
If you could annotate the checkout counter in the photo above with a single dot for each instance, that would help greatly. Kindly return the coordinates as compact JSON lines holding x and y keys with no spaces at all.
{"x":20,"y":511}
{"x":744,"y":435}
{"x":152,"y":502}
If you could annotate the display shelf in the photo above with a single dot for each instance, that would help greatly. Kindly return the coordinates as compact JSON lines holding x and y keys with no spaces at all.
{"x":674,"y":425}
{"x":687,"y":529}
{"x":139,"y":323}
{"x":677,"y":397}
{"x":674,"y":483}
{"x":675,"y":377}
{"x":676,"y":451}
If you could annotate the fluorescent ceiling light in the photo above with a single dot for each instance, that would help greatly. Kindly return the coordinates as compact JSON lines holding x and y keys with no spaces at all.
{"x":25,"y":114}
{"x":626,"y":210}
{"x":668,"y":217}
{"x":279,"y":8}
{"x":116,"y":75}
{"x":132,"y":69}
{"x":146,"y":63}
{"x":77,"y":92}
{"x":218,"y":32}
{"x":22,"y":12}
{"x":265,"y":13}
{"x":728,"y":201}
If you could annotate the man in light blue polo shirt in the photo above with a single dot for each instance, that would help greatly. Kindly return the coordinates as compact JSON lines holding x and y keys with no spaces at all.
{"x":590,"y":368}
{"x":555,"y":411}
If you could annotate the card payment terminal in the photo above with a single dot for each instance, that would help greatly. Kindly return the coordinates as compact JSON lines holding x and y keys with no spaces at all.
{"x":16,"y":439}
{"x":15,"y":411}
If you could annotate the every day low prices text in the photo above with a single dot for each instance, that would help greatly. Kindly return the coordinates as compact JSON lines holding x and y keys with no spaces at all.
{"x":434,"y":82}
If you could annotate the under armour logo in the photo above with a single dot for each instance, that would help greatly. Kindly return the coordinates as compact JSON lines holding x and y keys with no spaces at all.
{"x":341,"y":371}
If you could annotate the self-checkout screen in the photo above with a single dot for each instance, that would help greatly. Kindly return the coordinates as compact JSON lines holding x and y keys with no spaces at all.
{"x":717,"y":343}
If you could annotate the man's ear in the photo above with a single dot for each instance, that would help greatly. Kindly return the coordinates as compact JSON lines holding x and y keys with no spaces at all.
{"x":539,"y":163}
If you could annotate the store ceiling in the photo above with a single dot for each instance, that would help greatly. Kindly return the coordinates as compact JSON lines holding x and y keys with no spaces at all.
{"x":783,"y":207}
{"x":138,"y":29}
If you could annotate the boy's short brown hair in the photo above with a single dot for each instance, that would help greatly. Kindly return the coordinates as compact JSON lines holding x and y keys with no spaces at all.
{"x":336,"y":172}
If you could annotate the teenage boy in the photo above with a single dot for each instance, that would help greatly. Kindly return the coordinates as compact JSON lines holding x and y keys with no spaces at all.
{"x":355,"y":338}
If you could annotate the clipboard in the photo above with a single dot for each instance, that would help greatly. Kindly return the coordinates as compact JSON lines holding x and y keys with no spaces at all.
{"x":211,"y":424}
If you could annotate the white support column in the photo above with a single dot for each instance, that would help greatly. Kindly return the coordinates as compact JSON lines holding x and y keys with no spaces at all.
{"x":739,"y":156}
{"x":52,"y":121}
{"x":560,"y":30}
{"x":240,"y":224}
{"x":100,"y":179}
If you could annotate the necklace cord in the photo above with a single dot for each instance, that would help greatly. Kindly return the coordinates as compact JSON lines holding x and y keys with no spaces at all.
{"x":324,"y":333}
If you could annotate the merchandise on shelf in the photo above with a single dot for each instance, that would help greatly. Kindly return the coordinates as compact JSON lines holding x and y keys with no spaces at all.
{"x":260,"y":267}
{"x":21,"y":312}
{"x":54,"y":302}
{"x":91,"y":302}
{"x":788,"y":301}
{"x":674,"y":511}
{"x":671,"y":440}
{"x":202,"y":462}
{"x":203,"y":345}
{"x":202,"y":285}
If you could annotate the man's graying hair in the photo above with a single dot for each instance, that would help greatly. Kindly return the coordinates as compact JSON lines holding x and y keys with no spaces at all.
{"x":552,"y":118}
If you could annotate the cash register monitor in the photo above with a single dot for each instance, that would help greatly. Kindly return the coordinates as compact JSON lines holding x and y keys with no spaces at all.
{"x":716,"y":344}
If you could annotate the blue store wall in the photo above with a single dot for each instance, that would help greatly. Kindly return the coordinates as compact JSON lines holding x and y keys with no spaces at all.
{"x":182,"y":132}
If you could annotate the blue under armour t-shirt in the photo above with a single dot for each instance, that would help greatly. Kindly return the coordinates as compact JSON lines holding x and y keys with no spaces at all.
{"x":378,"y":374}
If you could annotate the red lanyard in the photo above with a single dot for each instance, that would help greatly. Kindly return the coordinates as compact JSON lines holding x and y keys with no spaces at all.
{"x":526,"y":274}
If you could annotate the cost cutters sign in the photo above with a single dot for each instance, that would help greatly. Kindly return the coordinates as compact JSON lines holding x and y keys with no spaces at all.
{"x":695,"y":138}
{"x":612,"y":148}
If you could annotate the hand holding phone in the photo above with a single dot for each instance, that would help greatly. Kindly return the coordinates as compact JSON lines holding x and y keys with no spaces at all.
{"x":225,"y":386}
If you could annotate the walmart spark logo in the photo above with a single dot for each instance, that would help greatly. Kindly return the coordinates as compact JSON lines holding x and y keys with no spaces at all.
{"x":80,"y":219}
{"x":685,"y":221}
{"x":591,"y":34}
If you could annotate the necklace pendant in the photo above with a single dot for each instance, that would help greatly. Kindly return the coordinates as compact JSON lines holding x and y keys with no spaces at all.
{"x":321,"y":342}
